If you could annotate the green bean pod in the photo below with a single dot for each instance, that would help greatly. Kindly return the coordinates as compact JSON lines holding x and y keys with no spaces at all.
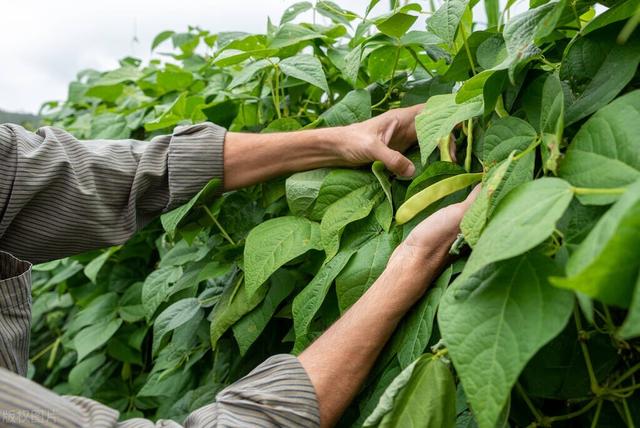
{"x":433,"y":193}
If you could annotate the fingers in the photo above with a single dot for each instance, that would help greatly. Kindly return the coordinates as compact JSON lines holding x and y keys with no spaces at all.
{"x":394,"y":161}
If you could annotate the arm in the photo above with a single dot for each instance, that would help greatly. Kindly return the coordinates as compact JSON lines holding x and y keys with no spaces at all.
{"x":60,"y":196}
{"x":339,"y":361}
{"x":252,"y":158}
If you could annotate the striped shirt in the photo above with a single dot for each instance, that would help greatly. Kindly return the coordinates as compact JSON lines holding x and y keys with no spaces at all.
{"x":60,"y":196}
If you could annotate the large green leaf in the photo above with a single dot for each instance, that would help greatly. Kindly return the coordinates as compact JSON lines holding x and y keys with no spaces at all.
{"x":444,"y":22}
{"x":493,"y":332}
{"x":605,"y":153}
{"x":354,"y":107}
{"x":352,"y":207}
{"x":504,"y":136}
{"x":631,"y":326}
{"x":303,"y":188}
{"x":422,"y":395}
{"x":519,"y":35}
{"x":155,"y":289}
{"x":309,"y":300}
{"x":598,"y":68}
{"x":397,"y":24}
{"x":247,"y":330}
{"x":307,"y":68}
{"x":173,"y":317}
{"x":234,"y":303}
{"x":606,"y":265}
{"x":336,"y":185}
{"x":94,"y":336}
{"x":524,"y":218}
{"x":440,"y":115}
{"x":363,"y":269}
{"x":274,"y":243}
{"x":417,"y":327}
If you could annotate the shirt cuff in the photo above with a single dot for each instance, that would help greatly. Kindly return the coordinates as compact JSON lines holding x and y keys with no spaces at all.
{"x":278,"y":391}
{"x":15,"y":281}
{"x":196,"y":156}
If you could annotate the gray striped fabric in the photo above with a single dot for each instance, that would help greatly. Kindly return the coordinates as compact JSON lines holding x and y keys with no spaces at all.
{"x":60,"y":196}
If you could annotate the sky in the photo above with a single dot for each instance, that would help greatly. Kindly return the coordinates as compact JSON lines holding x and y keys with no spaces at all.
{"x":44,"y":44}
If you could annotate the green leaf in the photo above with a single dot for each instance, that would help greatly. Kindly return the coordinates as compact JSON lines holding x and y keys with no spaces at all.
{"x":247,"y":73}
{"x":354,"y":107}
{"x":294,"y":10}
{"x":155,"y":289}
{"x":157,"y":41}
{"x":493,"y":332}
{"x":444,"y":22}
{"x":605,"y":151}
{"x":173,"y":317}
{"x":336,"y":185}
{"x":309,"y":300}
{"x":473,"y":87}
{"x":363,"y":269}
{"x":422,"y":395}
{"x":352,"y":207}
{"x":234,"y":303}
{"x":519,"y":35}
{"x":605,"y":266}
{"x":82,"y":372}
{"x":93,"y":337}
{"x":497,"y":183}
{"x":290,"y":34}
{"x":525,"y":218}
{"x":396,"y":25}
{"x":440,"y":115}
{"x":597,"y":77}
{"x":109,"y":126}
{"x":249,"y":328}
{"x":334,"y":12}
{"x":417,"y":327}
{"x":492,"y":10}
{"x":505,"y":135}
{"x":303,"y":188}
{"x":378,"y":170}
{"x":307,"y":68}
{"x":552,"y":105}
{"x":275,"y":242}
{"x":171,"y":220}
{"x":630,"y":328}
{"x":381,"y":64}
{"x":92,"y":268}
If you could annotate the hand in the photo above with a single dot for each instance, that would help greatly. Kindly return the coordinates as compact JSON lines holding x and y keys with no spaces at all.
{"x":418,"y":260}
{"x":383,"y":138}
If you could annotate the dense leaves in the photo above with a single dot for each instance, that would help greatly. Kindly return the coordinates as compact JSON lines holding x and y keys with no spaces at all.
{"x":537,"y":325}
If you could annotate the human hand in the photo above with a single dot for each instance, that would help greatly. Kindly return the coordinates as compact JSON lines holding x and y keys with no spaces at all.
{"x":384,"y":138}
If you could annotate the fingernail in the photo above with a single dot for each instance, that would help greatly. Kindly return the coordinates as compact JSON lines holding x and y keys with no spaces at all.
{"x":411,"y":169}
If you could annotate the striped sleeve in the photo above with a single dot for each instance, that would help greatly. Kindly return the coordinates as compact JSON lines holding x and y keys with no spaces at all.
{"x":278,"y":393}
{"x":60,"y":196}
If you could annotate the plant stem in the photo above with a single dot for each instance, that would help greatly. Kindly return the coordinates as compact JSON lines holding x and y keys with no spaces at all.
{"x":596,"y":416}
{"x":626,"y":375}
{"x":466,"y":48}
{"x":393,"y":75}
{"x":598,"y":191}
{"x":275,"y":90}
{"x":419,"y":61}
{"x":627,"y":414}
{"x":215,"y":221}
{"x":585,"y":353}
{"x":572,"y":414}
{"x":469,"y":153}
{"x":44,"y":351}
{"x":500,"y":110}
{"x":536,"y":414}
{"x":54,"y":353}
{"x":531,"y":147}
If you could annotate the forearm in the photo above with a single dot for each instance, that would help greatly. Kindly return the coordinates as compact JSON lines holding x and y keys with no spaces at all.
{"x":339,"y":361}
{"x":254,"y":158}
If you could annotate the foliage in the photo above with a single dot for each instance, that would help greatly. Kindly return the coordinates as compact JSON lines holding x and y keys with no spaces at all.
{"x":538,"y":325}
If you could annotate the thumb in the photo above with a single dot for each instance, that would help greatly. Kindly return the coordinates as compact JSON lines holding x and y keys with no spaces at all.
{"x":394,"y":161}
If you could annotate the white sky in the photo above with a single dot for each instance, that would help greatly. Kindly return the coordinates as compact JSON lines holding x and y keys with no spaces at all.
{"x":43,"y":44}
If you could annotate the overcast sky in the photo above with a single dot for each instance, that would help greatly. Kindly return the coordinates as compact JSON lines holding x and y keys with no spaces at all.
{"x":45,"y":43}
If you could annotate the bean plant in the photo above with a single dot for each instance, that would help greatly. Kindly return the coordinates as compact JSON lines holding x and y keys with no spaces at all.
{"x":534,"y":323}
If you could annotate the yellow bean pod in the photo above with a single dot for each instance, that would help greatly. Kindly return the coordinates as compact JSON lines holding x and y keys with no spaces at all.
{"x":433,"y":193}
